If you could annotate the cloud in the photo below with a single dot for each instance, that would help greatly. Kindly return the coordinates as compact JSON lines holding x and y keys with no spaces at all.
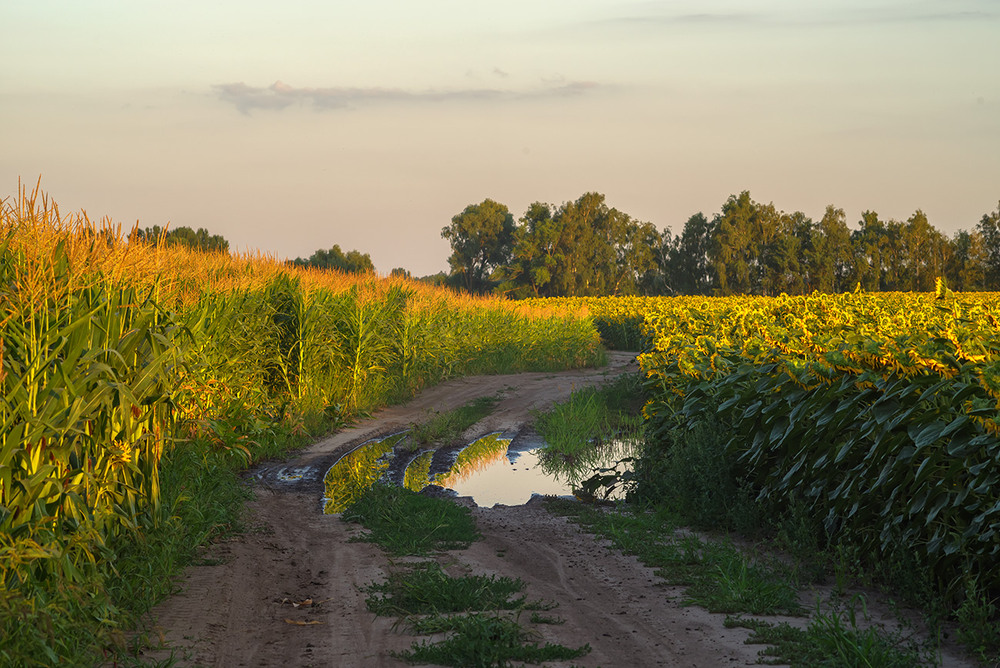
{"x":280,"y":95}
{"x":663,"y":14}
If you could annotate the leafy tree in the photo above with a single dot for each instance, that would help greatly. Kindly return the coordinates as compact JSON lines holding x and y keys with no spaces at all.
{"x":536,"y":254}
{"x":989,"y":230}
{"x":784,"y":260}
{"x":966,"y":269}
{"x":690,"y":266}
{"x":921,"y":253}
{"x":868,"y":245}
{"x":582,"y":247}
{"x":481,"y":238}
{"x":400,"y":272}
{"x":352,"y":262}
{"x":829,"y":252}
{"x":200,"y":239}
{"x":744,"y":232}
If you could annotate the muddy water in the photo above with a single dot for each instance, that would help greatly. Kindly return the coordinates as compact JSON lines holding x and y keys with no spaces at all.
{"x":488,"y":470}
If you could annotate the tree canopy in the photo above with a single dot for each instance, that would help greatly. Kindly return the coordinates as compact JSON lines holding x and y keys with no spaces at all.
{"x":481,"y":240}
{"x":200,"y":239}
{"x":585,"y":247}
{"x":351,"y":262}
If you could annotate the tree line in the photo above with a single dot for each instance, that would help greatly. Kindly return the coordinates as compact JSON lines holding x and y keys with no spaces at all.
{"x":200,"y":239}
{"x":584,"y":247}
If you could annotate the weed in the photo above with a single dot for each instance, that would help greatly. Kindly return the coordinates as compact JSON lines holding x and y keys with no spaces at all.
{"x":718,"y":575}
{"x":446,"y":427}
{"x":835,"y":639}
{"x":592,"y":415}
{"x":403,"y":522}
{"x":487,"y":641}
{"x":426,"y":589}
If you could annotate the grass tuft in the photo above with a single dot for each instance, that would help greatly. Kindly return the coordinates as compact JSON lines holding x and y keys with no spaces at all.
{"x":487,"y":641}
{"x":446,"y":427}
{"x":426,"y":589}
{"x":403,"y":522}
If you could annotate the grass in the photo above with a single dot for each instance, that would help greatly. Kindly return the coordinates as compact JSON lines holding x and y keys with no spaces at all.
{"x":474,"y":611}
{"x":446,"y":427}
{"x":718,"y":576}
{"x":835,"y":638}
{"x":592,"y":416}
{"x":403,"y":522}
{"x":722,"y":579}
{"x":426,"y":589}
{"x":487,"y":641}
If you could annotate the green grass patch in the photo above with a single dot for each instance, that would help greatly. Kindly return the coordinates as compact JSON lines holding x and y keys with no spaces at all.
{"x":717,"y":574}
{"x":836,"y":639}
{"x":403,"y":522}
{"x":446,"y":427}
{"x":591,"y":417}
{"x":426,"y":589}
{"x":487,"y":641}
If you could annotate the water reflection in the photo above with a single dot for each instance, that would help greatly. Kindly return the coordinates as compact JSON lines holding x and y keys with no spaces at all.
{"x":357,"y":471}
{"x":486,"y":470}
{"x":534,"y":471}
{"x":478,"y":456}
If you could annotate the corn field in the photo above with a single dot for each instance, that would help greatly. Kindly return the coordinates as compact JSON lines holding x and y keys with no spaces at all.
{"x":116,"y":352}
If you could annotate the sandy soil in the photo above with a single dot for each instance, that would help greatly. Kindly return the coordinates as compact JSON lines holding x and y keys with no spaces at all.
{"x":287,"y":592}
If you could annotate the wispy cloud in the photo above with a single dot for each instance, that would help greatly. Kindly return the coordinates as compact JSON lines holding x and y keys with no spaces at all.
{"x":280,"y":95}
{"x":663,"y":14}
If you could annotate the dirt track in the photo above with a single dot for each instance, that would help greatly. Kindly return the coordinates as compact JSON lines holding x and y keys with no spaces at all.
{"x":237,"y":609}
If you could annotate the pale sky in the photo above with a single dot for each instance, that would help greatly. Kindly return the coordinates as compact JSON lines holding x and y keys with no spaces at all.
{"x":292,"y":125}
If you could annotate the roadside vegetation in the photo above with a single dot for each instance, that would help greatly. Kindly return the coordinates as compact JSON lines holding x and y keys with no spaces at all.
{"x":139,"y":379}
{"x":443,"y":428}
{"x":481,"y":614}
{"x":856,"y":434}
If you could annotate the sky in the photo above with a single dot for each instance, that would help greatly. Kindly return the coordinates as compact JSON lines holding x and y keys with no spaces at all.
{"x":293,"y":125}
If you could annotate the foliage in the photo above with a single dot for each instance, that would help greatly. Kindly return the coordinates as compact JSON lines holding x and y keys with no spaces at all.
{"x":487,"y":641}
{"x":877,"y":411}
{"x":404,"y":522}
{"x":200,"y":239}
{"x":116,"y":354}
{"x":481,"y":238}
{"x":580,"y":248}
{"x":351,"y":262}
{"x":585,"y":248}
{"x":425,"y":589}
{"x":448,"y":426}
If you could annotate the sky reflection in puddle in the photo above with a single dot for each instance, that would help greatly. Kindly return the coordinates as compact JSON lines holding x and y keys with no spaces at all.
{"x":485,"y":470}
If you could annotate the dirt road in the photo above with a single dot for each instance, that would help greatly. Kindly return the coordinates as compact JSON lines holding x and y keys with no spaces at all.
{"x":238,"y":608}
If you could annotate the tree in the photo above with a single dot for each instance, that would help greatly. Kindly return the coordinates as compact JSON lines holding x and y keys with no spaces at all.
{"x":922,"y":254}
{"x":535,"y":255}
{"x":352,"y":262}
{"x":481,"y":238}
{"x":829,"y":252}
{"x":784,"y":260}
{"x":867,"y":245}
{"x":691,"y":269}
{"x":966,"y":269}
{"x":400,"y":272}
{"x":744,"y":231}
{"x":989,"y":230}
{"x":200,"y":239}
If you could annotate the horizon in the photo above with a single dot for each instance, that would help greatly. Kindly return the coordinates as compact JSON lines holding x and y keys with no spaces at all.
{"x":288,"y":130}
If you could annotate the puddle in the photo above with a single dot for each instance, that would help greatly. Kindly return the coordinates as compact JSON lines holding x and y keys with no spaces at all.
{"x":487,"y":470}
